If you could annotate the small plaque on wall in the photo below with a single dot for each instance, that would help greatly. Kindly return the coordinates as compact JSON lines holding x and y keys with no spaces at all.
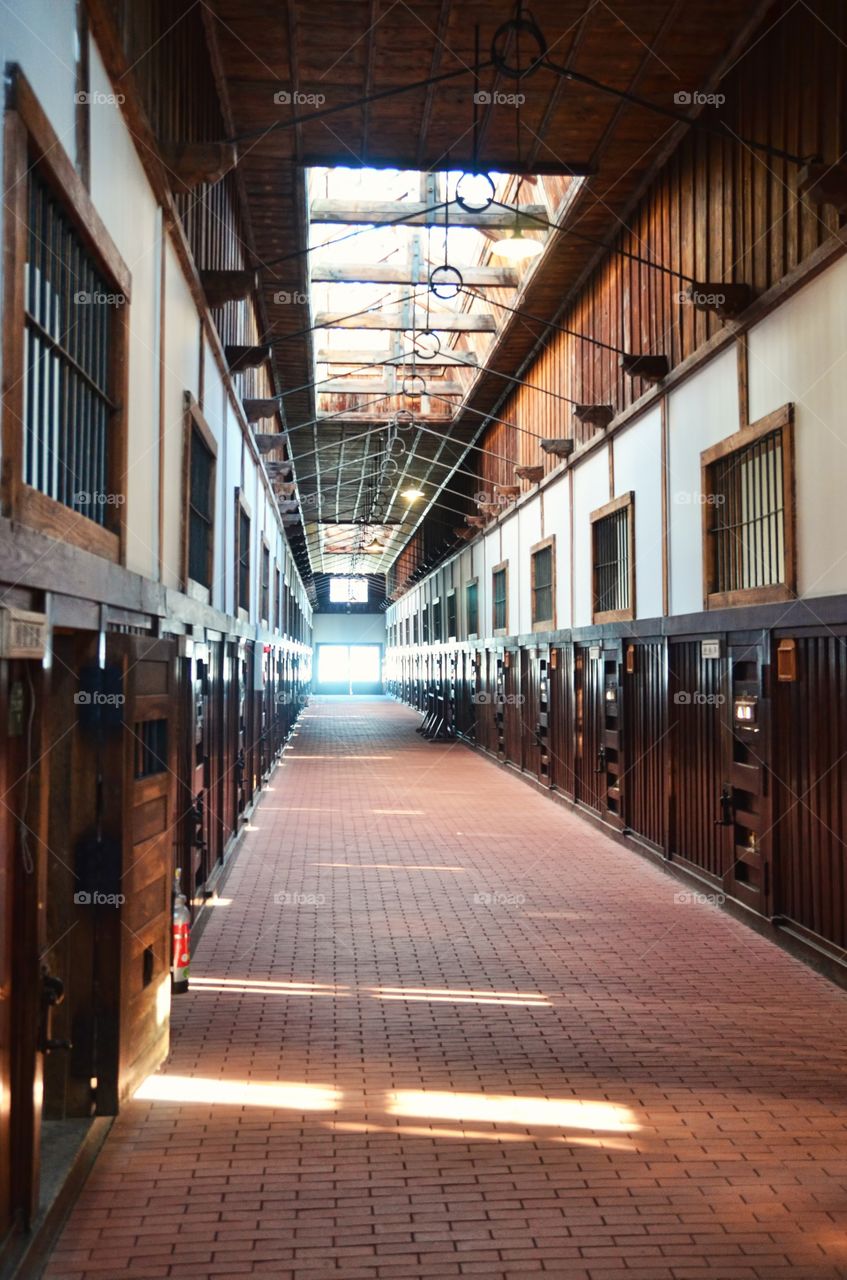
{"x":710,"y":648}
{"x":594,"y":652}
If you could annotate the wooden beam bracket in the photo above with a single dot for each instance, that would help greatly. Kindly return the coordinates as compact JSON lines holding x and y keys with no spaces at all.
{"x":260,"y":410}
{"x":239,"y":358}
{"x":824,"y":184}
{"x":532,"y":474}
{"x":266,"y":442}
{"x":650,"y":368}
{"x":724,"y":300}
{"x":221,"y":287}
{"x":594,"y":415}
{"x":190,"y":163}
{"x":560,"y":448}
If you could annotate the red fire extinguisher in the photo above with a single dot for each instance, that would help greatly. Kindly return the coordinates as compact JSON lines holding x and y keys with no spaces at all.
{"x":181,"y":938}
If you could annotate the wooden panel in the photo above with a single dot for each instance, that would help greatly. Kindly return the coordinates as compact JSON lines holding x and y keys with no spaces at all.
{"x":810,"y":789}
{"x":644,"y":702}
{"x":696,"y":746}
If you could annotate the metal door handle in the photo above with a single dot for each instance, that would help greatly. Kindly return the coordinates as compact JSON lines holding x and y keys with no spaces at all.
{"x":727,"y":817}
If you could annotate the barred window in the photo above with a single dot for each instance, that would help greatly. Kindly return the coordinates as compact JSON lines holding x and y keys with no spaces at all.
{"x":243,"y":560}
{"x":151,"y":747}
{"x":436,"y":621}
{"x":613,"y":565}
{"x":499,"y":591}
{"x":472,"y":607}
{"x":425,"y":624}
{"x":201,"y":474}
{"x":542,"y":586}
{"x":266,"y":585}
{"x":748,"y":513}
{"x":67,"y":407}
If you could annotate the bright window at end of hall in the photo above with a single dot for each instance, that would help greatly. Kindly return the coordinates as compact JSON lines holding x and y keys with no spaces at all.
{"x":348,"y":591}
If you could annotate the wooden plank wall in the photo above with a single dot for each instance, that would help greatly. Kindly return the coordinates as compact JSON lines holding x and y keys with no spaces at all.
{"x":720,"y":211}
{"x":810,"y":788}
{"x":170,"y":61}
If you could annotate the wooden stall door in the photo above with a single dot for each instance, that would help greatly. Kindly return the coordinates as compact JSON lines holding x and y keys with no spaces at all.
{"x":748,"y":876}
{"x":599,"y":729}
{"x":511,"y":707}
{"x":151,"y":734}
{"x":561,"y":727}
{"x":645,"y":729}
{"x":810,"y":784}
{"x":534,"y":713}
{"x":697,"y":753}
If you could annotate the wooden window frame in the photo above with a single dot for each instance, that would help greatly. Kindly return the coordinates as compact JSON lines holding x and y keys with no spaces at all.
{"x":265,"y":594}
{"x":27,"y":133}
{"x":472,"y":635}
{"x":780,"y":419}
{"x":543,"y":624}
{"x":625,"y":501}
{"x":241,"y":506}
{"x":195,"y":422}
{"x":451,"y":595}
{"x":502,"y":567}
{"x":436,"y":631}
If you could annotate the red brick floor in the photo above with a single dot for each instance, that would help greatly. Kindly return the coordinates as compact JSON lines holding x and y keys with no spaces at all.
{"x":477,"y":1038}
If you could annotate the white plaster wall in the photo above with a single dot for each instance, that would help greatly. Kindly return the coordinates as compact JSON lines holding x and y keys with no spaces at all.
{"x":40,"y":37}
{"x":121,"y":194}
{"x":638,"y":467}
{"x":529,"y":527}
{"x":799,"y":354}
{"x":557,"y":523}
{"x":701,"y":412}
{"x":181,"y":349}
{"x":590,"y":491}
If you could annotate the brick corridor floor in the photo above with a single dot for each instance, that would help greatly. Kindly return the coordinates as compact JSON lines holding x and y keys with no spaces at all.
{"x":441,"y":1027}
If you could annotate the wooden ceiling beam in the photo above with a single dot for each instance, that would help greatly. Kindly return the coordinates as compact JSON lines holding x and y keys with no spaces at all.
{"x":458,"y":322}
{"x":388,"y":273}
{"x":344,"y":387}
{"x":444,"y":359}
{"x":415,"y":213}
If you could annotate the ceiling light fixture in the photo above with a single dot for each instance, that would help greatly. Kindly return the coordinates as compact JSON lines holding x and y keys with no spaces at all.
{"x":515,"y":246}
{"x":412,"y":495}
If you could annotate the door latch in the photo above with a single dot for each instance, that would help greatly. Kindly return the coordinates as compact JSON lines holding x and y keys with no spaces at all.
{"x":727,"y":817}
{"x":52,"y":994}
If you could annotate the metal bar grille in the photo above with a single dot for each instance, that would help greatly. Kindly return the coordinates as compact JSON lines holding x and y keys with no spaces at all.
{"x":747,"y":494}
{"x":151,"y":747}
{"x":500,"y":600}
{"x":243,"y":560}
{"x":472,"y":602}
{"x":200,"y":512}
{"x":542,"y":585}
{"x":68,"y":323}
{"x":611,"y":562}
{"x":266,"y":584}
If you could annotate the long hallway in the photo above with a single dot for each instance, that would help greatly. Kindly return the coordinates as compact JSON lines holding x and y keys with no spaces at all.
{"x":439,"y":1026}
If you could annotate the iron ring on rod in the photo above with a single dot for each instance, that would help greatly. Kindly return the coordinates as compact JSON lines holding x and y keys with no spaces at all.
{"x":427,"y":344}
{"x":446,"y":282}
{"x":517,"y":26}
{"x":471,"y":203}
